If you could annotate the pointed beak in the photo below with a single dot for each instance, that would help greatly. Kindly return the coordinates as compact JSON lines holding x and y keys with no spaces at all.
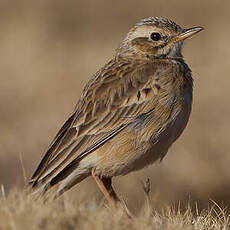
{"x":186,"y":33}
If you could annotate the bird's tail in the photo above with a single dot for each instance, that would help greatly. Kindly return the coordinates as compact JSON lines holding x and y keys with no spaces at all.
{"x":50,"y":190}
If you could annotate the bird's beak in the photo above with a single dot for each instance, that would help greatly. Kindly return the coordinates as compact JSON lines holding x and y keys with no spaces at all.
{"x":186,"y":33}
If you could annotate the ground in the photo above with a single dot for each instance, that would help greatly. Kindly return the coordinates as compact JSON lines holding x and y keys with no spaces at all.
{"x":19,"y":211}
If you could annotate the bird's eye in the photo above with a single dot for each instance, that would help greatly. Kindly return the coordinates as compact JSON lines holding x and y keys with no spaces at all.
{"x":155,"y":36}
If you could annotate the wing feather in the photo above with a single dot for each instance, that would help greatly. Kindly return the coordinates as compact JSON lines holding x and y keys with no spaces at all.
{"x":111,"y":100}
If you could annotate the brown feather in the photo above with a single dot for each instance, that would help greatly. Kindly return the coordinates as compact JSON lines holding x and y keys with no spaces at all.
{"x":101,"y":119}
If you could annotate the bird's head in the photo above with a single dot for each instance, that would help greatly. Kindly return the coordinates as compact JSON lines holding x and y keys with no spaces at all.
{"x":156,"y":37}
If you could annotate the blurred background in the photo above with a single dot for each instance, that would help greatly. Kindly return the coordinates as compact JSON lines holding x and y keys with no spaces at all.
{"x":48,"y":51}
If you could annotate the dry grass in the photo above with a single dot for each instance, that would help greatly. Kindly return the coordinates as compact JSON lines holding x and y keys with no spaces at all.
{"x":20,"y":212}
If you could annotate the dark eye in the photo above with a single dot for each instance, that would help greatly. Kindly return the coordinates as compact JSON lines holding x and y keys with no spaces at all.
{"x":155,"y":36}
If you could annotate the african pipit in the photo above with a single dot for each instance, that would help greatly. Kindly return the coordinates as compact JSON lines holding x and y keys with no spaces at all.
{"x":129,"y":113}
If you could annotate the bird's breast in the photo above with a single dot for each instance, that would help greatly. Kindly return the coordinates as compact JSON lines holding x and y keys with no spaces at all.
{"x":165,"y":124}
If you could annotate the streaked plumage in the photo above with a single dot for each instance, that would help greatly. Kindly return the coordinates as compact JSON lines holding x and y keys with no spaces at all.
{"x":129,"y":113}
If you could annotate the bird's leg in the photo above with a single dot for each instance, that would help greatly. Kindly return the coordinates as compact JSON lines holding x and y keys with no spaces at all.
{"x":105,"y":185}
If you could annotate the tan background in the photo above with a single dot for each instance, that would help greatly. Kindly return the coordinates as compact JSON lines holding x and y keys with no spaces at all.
{"x":48,"y":50}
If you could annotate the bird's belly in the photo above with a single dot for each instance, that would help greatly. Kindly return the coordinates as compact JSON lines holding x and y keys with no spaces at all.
{"x":125,"y":156}
{"x":129,"y":152}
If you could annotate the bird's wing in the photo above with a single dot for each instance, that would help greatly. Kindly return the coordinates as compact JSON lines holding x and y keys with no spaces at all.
{"x":112,"y":99}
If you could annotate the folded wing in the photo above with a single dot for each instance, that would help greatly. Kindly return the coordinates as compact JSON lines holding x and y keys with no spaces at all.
{"x":114,"y":97}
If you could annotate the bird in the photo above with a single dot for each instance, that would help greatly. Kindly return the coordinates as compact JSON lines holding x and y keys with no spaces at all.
{"x":128,"y":115}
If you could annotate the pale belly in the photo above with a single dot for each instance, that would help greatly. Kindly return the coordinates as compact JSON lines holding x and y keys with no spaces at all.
{"x":127,"y":152}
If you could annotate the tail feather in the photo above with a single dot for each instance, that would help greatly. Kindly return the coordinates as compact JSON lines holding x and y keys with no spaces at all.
{"x":52,"y":189}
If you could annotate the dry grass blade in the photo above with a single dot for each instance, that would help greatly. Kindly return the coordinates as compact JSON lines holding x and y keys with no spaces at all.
{"x":3,"y":191}
{"x":23,"y":168}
